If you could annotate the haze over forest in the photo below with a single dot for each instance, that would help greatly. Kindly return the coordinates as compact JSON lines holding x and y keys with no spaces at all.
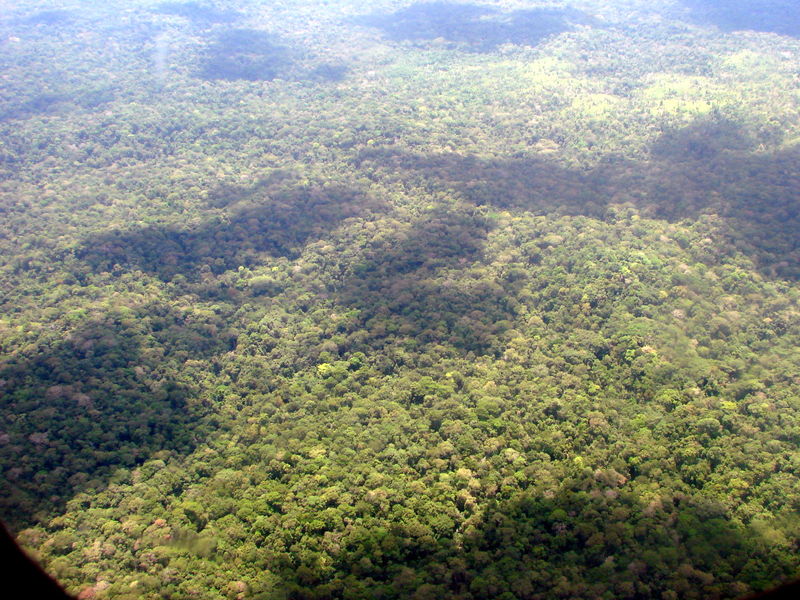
{"x":479,"y":300}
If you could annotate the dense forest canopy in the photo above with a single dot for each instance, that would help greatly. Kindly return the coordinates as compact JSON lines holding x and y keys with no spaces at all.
{"x":401,"y":299}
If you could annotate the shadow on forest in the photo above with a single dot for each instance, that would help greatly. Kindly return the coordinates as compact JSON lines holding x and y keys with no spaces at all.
{"x":709,"y":167}
{"x":480,"y":28}
{"x":49,"y":18}
{"x":413,"y":282}
{"x":774,"y":16}
{"x":276,"y":223}
{"x":416,"y":284}
{"x":247,"y":54}
{"x":197,"y":12}
{"x":254,"y":55}
{"x":330,"y":72}
{"x":593,"y":538}
{"x":108,"y":395}
{"x":43,"y":104}
{"x":423,"y":283}
{"x":590,"y":537}
{"x":56,"y":103}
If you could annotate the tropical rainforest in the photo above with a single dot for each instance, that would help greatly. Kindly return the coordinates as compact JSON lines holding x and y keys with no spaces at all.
{"x":332,"y":299}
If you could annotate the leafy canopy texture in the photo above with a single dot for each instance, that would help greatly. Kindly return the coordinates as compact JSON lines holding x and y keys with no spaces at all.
{"x":382,"y":300}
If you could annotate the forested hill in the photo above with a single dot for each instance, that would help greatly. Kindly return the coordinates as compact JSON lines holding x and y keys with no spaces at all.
{"x":390,"y":299}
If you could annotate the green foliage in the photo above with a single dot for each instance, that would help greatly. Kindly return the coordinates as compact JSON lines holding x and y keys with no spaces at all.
{"x":510,"y":315}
